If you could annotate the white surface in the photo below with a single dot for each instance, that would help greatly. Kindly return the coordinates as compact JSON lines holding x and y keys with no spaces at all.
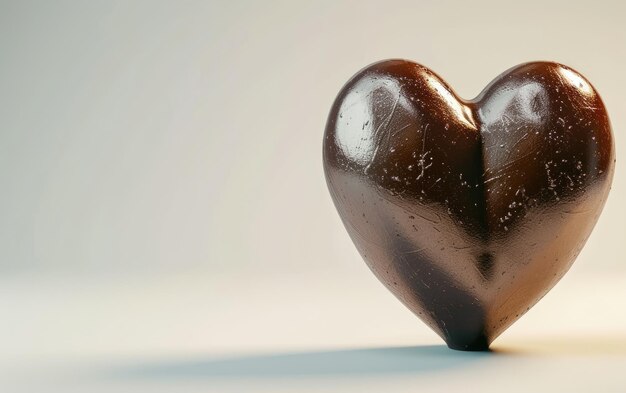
{"x":302,"y":332}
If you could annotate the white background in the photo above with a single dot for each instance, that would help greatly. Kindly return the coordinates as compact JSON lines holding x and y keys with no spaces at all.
{"x":163,"y":206}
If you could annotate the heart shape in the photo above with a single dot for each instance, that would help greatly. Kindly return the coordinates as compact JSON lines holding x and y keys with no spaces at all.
{"x":468,"y":211}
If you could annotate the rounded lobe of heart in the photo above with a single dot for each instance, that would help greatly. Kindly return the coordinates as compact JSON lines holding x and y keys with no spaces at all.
{"x":468,"y":211}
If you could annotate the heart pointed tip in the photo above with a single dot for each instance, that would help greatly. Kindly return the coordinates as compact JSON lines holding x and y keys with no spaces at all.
{"x":479,"y":344}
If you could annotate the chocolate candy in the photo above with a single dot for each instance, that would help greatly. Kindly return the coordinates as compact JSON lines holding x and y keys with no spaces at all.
{"x":468,"y":211}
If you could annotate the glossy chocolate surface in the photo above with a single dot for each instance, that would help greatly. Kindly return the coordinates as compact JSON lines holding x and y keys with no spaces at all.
{"x":468,"y":211}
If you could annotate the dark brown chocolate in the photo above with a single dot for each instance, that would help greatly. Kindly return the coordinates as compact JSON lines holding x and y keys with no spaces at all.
{"x":468,"y":211}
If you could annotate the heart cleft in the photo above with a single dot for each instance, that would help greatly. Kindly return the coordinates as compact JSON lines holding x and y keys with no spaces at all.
{"x":469,"y":211}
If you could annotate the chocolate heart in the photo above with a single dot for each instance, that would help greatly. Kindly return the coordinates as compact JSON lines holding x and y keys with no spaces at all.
{"x":468,"y":211}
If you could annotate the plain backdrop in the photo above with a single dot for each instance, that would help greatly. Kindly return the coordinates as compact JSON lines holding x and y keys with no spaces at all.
{"x":162,"y":135}
{"x":179,"y":143}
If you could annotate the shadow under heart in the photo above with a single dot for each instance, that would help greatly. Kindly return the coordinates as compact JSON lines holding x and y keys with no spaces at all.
{"x":350,"y":362}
